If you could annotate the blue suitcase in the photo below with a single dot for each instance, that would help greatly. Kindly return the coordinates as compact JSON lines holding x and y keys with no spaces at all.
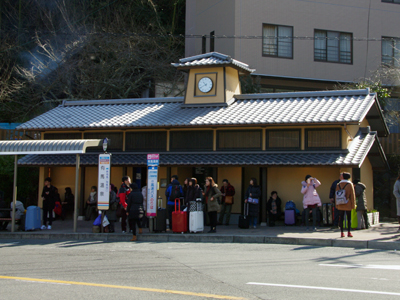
{"x":33,"y":218}
{"x":290,"y":217}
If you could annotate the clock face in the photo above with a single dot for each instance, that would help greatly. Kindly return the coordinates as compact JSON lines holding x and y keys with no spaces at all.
{"x":205,"y":84}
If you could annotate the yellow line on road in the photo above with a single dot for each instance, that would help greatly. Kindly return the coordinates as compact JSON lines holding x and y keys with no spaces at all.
{"x":123,"y":287}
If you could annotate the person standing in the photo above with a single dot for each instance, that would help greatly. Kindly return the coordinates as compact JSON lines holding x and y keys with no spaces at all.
{"x":174,"y":191}
{"x":48,"y":196}
{"x":134,"y":210}
{"x":253,"y":195}
{"x":227,"y":191}
{"x":396,"y":193}
{"x":211,"y":194}
{"x":359,"y":190}
{"x":123,"y":194}
{"x":347,"y":186}
{"x":91,"y":203}
{"x":332,"y":199}
{"x":274,"y":208}
{"x":311,"y":198}
{"x":68,"y":203}
{"x":111,"y":213}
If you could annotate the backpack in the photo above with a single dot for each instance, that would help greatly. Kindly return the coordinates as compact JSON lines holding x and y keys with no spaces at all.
{"x":58,"y":208}
{"x":290,"y":205}
{"x":175,"y":192}
{"x":340,"y":195}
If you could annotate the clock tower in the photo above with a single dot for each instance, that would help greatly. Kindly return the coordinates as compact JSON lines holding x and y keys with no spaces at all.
{"x":213,"y":78}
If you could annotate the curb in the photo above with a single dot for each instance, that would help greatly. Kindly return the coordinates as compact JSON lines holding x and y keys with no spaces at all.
{"x":208,"y":238}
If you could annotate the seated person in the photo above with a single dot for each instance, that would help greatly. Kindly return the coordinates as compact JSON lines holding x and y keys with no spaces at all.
{"x":91,"y":203}
{"x":19,"y":213}
{"x":274,"y":208}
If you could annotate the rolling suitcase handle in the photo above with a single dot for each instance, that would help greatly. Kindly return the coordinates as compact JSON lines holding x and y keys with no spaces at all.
{"x":244,"y":211}
{"x":177,"y":199}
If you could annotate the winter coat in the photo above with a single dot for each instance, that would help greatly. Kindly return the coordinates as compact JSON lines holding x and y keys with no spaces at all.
{"x":69,"y":199}
{"x":169,"y":190}
{"x":255,"y":192}
{"x":349,"y":194}
{"x":212,"y":205}
{"x":112,"y":214}
{"x":192,"y":193}
{"x":359,"y":190}
{"x":228,"y":191}
{"x":123,"y":194}
{"x":278,"y":202}
{"x":396,"y":190}
{"x":311,"y":196}
{"x":135,"y":204}
{"x":49,"y":194}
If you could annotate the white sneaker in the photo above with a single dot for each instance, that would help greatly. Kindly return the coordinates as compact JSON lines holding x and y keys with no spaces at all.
{"x":49,"y":227}
{"x":43,"y":227}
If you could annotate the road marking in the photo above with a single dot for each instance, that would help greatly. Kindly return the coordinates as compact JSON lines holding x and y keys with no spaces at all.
{"x":324,"y":288}
{"x":383,"y":267}
{"x":122,"y":287}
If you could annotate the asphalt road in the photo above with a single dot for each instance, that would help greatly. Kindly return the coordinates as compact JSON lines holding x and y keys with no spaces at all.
{"x":125,"y":270}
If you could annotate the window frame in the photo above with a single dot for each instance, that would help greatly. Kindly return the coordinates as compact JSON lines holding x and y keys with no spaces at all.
{"x":392,"y":63}
{"x":161,"y":149}
{"x":326,"y":47}
{"x":277,"y":51}
{"x":193,"y":132}
{"x":306,"y":131}
{"x":268,"y":148}
{"x":239,"y":149}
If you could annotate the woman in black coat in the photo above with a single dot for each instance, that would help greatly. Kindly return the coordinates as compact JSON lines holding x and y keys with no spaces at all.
{"x":135,"y":210}
{"x":253,"y":195}
{"x":193,"y":192}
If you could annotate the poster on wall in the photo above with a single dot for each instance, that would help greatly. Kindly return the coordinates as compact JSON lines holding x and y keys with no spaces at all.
{"x":103,"y":186}
{"x":152,"y":177}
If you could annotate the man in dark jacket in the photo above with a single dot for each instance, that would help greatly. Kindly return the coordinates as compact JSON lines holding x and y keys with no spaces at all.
{"x":134,"y":210}
{"x":48,"y":196}
{"x":174,"y":190}
{"x":227,"y":190}
{"x":332,"y":198}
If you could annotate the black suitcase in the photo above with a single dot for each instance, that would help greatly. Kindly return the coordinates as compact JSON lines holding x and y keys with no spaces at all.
{"x":244,"y":219}
{"x":327,"y":214}
{"x":160,"y":223}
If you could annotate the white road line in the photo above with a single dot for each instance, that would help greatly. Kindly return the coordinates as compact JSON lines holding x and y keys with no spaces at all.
{"x":382,"y":267}
{"x":324,"y":288}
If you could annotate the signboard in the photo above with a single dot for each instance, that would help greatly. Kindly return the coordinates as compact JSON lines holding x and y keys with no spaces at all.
{"x":103,"y":188}
{"x":152,"y":176}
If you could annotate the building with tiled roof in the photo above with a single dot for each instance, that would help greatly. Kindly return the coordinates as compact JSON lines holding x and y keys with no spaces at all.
{"x":214,"y":130}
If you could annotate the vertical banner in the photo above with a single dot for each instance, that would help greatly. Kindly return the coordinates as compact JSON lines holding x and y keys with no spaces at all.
{"x":152,"y":176}
{"x":103,"y":188}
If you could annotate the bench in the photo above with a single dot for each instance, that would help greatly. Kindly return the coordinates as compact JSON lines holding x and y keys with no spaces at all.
{"x":7,"y":210}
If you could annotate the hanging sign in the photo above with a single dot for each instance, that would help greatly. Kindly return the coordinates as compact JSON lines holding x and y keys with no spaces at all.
{"x":103,"y":187}
{"x":152,"y":177}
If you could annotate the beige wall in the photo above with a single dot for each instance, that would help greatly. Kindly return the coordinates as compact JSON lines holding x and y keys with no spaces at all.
{"x":234,"y":176}
{"x":366,"y":173}
{"x":232,"y":83}
{"x":245,"y":18}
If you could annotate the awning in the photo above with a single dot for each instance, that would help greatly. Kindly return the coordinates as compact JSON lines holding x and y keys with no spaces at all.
{"x":46,"y":146}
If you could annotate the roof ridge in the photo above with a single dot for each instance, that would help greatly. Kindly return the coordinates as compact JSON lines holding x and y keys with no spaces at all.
{"x":121,"y":101}
{"x":304,"y":94}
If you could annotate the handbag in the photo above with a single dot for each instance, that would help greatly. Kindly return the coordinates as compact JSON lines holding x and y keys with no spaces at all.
{"x":228,"y":199}
{"x":252,"y":200}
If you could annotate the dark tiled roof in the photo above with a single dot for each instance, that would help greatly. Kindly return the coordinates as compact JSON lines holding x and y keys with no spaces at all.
{"x":358,"y":150}
{"x":328,"y":107}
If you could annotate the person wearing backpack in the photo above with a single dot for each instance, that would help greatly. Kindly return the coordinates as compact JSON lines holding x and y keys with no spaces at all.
{"x":311,"y":199}
{"x":345,"y":201}
{"x":174,"y":191}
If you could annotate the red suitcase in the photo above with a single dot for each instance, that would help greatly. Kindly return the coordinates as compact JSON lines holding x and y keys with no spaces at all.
{"x":179,"y":219}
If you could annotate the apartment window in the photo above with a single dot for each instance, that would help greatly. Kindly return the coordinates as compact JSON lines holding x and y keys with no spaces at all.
{"x":239,"y":139}
{"x":391,"y":1}
{"x":278,"y":41}
{"x":333,"y":46}
{"x":283,"y":139}
{"x":391,"y":51}
{"x":146,"y":141}
{"x":323,"y":139}
{"x":193,"y":140}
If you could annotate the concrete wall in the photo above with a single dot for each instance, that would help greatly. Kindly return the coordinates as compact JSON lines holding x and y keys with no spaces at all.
{"x":245,"y":18}
{"x":366,"y":173}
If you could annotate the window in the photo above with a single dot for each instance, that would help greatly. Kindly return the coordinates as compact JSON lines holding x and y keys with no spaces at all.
{"x":283,"y":139}
{"x":278,"y":41}
{"x":192,"y":140}
{"x":391,"y":51}
{"x":239,"y":139}
{"x":146,"y":141}
{"x":333,"y":46}
{"x":114,"y":137}
{"x":391,"y":1}
{"x":323,"y":139}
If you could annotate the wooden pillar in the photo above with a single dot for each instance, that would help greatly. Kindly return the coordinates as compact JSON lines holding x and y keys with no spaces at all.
{"x":77,"y":163}
{"x":14,"y":194}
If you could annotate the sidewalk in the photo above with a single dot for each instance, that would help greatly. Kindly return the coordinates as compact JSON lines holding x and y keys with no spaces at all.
{"x":382,"y":236}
